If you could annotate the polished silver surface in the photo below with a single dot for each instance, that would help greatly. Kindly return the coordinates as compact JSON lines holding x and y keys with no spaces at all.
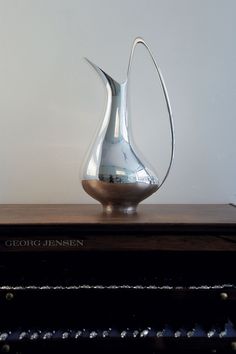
{"x":34,"y":336}
{"x":211,"y":333}
{"x":105,"y":334}
{"x":144,"y":333}
{"x":135,"y":333}
{"x":159,"y":334}
{"x":78,"y":334}
{"x":93,"y":334}
{"x":123,"y":334}
{"x":65,"y":335}
{"x":177,"y":334}
{"x":48,"y":335}
{"x":119,"y":197}
{"x":197,"y":331}
{"x":3,"y":336}
{"x":22,"y":335}
{"x":113,"y":173}
{"x":223,"y":334}
{"x":120,"y":286}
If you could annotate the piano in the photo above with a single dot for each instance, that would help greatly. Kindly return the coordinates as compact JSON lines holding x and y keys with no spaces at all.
{"x":75,"y":280}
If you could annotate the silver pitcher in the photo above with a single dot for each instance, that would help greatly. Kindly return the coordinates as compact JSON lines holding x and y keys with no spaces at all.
{"x":113,"y":173}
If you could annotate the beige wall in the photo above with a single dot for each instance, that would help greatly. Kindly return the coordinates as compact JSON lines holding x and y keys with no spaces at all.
{"x":51,"y":102}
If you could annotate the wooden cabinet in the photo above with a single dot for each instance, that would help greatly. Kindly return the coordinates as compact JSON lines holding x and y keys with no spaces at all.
{"x":73,"y":279}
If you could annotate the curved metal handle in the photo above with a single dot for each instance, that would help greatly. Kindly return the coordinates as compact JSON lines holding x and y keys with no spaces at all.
{"x":141,"y":41}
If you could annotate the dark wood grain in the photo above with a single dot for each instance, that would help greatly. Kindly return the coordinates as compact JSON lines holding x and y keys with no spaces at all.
{"x":85,"y":228}
{"x":92,"y":214}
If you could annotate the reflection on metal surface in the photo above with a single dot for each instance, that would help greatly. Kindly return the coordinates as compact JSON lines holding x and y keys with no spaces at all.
{"x":47,"y":335}
{"x":78,"y":334}
{"x":3,"y":336}
{"x":120,"y":286}
{"x":211,"y":333}
{"x":34,"y":336}
{"x":144,"y":333}
{"x":113,"y":160}
{"x":177,"y":334}
{"x":123,"y":334}
{"x":93,"y":334}
{"x":117,"y":196}
{"x":65,"y":335}
{"x":126,"y":333}
{"x":22,"y":335}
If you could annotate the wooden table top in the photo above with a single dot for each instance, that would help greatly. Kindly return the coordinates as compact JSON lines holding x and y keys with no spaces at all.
{"x":151,"y":214}
{"x":159,"y":227}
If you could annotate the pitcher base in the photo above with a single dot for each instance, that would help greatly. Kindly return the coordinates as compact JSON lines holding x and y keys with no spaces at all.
{"x":122,"y":198}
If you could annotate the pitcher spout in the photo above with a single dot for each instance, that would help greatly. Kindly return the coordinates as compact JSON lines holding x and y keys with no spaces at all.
{"x":109,"y":82}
